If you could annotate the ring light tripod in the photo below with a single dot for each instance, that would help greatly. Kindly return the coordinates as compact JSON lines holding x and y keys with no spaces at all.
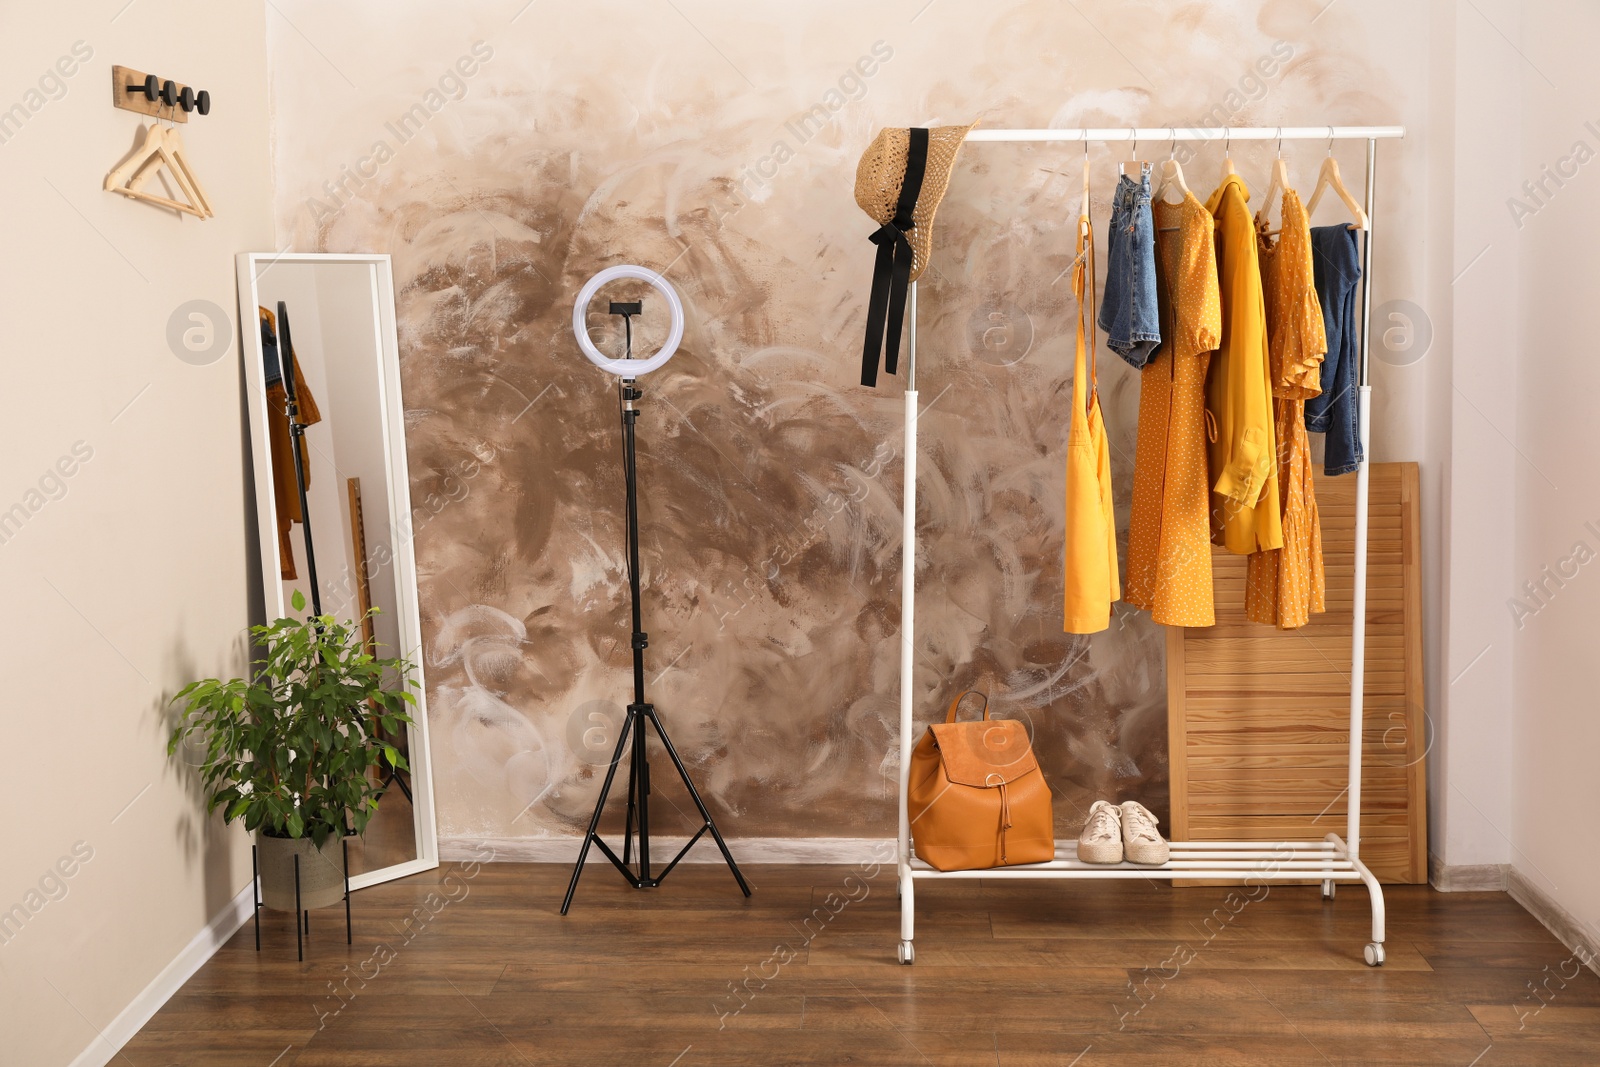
{"x":641,"y":714}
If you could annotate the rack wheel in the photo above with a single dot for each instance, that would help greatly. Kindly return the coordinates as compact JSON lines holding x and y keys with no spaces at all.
{"x":1374,"y":954}
{"x":1327,"y":889}
{"x":908,"y":954}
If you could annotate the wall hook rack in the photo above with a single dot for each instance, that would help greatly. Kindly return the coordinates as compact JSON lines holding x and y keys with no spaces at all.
{"x":146,"y":94}
{"x":161,"y":149}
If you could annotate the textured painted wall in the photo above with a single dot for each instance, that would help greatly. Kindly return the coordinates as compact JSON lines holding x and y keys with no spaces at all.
{"x":504,"y":155}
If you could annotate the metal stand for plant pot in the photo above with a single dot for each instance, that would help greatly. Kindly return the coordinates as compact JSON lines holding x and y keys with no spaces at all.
{"x":302,"y":918}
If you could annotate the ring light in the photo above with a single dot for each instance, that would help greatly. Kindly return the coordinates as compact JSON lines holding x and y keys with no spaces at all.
{"x":627,"y":368}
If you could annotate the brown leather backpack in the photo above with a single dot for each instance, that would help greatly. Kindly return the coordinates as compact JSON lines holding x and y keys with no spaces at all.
{"x":976,"y":798}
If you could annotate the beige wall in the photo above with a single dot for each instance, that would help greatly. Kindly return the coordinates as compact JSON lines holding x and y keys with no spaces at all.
{"x":1552,"y":635}
{"x":137,"y":576}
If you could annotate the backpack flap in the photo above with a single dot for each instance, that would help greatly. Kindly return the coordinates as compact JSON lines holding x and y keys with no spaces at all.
{"x":985,"y":754}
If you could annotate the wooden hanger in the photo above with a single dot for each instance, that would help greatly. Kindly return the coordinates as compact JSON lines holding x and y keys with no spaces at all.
{"x":1172,"y":175}
{"x":1278,"y":185}
{"x":1328,"y":178}
{"x":1227,"y":155}
{"x":1088,"y":307}
{"x":161,"y":146}
{"x":185,"y":172}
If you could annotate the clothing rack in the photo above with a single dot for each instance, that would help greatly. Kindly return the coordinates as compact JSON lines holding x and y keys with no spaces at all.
{"x":1331,"y":860}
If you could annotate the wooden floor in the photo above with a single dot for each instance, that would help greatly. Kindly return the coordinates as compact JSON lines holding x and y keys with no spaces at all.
{"x":464,"y":968}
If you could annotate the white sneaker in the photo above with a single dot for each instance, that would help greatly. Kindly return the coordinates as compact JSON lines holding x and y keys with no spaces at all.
{"x":1101,"y":839}
{"x":1141,"y":841}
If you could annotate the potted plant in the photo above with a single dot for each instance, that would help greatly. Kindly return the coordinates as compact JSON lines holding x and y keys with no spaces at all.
{"x":288,"y":750}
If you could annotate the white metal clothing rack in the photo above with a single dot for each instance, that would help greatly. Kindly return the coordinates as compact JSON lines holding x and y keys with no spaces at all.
{"x":1333,"y":859}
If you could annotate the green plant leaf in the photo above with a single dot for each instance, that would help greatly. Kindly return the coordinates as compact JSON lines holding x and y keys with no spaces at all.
{"x":290,"y":747}
{"x":298,"y":602}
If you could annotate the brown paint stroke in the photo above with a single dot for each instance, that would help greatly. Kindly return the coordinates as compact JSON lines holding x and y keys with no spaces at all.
{"x":770,"y":494}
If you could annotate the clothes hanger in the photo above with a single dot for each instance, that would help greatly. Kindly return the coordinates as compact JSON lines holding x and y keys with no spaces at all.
{"x":1133,"y":161}
{"x":1278,"y":186}
{"x":1227,"y":154}
{"x":171,"y":153}
{"x":184,"y":172}
{"x":1172,"y":176}
{"x":1328,"y":178}
{"x":154,"y":151}
{"x":1086,"y":231}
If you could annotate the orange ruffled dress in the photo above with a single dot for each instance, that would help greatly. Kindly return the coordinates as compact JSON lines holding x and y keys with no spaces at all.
{"x":1169,"y":532}
{"x":1285,"y":586}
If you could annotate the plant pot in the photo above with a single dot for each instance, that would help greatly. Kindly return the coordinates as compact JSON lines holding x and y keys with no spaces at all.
{"x":321,"y":871}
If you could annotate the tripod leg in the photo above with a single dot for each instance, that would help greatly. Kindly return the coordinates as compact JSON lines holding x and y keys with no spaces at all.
{"x":694,"y":794}
{"x":395,"y":779}
{"x":633,"y":789}
{"x":599,"y":806}
{"x":641,"y":771}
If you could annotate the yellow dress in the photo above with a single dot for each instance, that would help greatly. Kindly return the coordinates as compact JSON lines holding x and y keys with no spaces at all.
{"x":1169,"y":533}
{"x":1091,"y":583}
{"x":1285,"y":586}
{"x":1245,"y":509}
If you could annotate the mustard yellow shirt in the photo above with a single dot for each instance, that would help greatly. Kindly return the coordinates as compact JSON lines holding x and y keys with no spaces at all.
{"x":1245,"y":508}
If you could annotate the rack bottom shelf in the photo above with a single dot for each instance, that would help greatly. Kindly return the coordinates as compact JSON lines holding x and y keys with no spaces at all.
{"x":1270,"y":861}
{"x":1327,"y":861}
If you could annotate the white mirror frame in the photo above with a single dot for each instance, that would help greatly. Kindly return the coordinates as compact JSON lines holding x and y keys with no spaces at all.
{"x":250,"y":265}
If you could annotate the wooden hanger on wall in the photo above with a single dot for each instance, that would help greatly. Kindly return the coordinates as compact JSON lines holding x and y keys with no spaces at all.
{"x":1328,"y":178}
{"x":162,"y":146}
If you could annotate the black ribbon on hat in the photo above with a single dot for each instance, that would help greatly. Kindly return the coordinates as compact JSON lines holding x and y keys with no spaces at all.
{"x":891,"y":274}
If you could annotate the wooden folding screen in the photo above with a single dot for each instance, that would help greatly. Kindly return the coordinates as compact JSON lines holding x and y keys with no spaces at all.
{"x":1259,"y":718}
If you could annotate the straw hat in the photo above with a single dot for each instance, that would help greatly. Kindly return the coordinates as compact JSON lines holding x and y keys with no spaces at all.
{"x":882,"y":171}
{"x":900,"y":180}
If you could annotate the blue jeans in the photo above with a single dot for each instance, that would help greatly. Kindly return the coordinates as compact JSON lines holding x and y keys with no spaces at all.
{"x":1336,"y":268}
{"x":1128,"y":311}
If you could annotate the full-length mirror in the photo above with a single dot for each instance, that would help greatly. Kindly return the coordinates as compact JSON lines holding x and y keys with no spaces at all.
{"x":335,"y":512}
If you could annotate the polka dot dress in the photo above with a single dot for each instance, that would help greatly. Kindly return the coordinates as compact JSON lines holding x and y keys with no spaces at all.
{"x":1169,"y":532}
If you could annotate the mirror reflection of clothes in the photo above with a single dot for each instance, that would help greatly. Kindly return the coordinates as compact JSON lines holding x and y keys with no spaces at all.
{"x":285,"y":494}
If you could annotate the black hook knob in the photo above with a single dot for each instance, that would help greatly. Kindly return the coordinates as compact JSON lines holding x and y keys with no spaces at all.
{"x":186,"y":99}
{"x":169,"y":92}
{"x":202,"y":102}
{"x":150,"y":87}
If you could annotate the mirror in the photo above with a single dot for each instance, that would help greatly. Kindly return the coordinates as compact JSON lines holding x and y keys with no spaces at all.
{"x":338,"y":313}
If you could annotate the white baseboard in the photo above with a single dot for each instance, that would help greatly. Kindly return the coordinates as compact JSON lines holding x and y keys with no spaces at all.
{"x":830,"y":850}
{"x":201,"y":948}
{"x":1567,"y":927}
{"x":1466,"y":877}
